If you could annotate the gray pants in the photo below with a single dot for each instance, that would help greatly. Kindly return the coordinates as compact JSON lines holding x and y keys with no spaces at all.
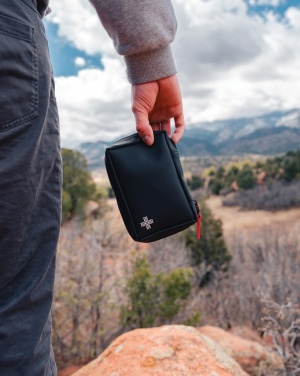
{"x":30,"y":192}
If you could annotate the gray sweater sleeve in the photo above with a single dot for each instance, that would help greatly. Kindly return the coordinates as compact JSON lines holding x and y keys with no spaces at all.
{"x":142,"y":31}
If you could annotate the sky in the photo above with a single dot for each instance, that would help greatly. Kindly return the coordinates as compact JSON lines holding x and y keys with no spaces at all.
{"x":234,"y":58}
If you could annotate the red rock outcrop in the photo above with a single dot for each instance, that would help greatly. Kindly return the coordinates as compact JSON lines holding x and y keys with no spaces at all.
{"x":246,"y":333}
{"x":68,"y":371}
{"x":261,"y":178}
{"x":252,"y":356}
{"x":164,"y":351}
{"x":235,"y":186}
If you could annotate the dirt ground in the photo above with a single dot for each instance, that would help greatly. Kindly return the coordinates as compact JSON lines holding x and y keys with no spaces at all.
{"x":235,"y":219}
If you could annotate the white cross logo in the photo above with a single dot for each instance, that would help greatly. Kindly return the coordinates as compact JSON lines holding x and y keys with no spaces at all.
{"x":147,"y":222}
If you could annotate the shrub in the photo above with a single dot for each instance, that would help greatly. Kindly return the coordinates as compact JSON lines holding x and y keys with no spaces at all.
{"x":220,"y":172}
{"x":276,"y":196}
{"x":85,"y":318}
{"x":66,"y":205}
{"x":290,"y":170}
{"x":282,"y":323}
{"x":216,"y":185}
{"x":246,"y":178}
{"x":264,"y":262}
{"x":195,"y":182}
{"x":231,"y":176}
{"x":153,"y":298}
{"x":78,"y":184}
{"x":210,"y":251}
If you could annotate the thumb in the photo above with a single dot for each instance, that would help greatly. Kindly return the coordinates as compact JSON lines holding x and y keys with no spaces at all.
{"x":143,"y":127}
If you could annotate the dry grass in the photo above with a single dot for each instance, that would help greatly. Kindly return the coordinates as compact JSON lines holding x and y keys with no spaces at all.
{"x":235,"y":220}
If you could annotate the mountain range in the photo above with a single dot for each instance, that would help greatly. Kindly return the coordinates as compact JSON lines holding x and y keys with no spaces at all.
{"x":269,"y":134}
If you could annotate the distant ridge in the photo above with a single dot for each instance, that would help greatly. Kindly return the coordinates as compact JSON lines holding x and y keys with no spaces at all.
{"x":94,"y":153}
{"x":270,"y":134}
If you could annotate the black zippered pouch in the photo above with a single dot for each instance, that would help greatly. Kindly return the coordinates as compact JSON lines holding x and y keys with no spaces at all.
{"x":152,"y":195}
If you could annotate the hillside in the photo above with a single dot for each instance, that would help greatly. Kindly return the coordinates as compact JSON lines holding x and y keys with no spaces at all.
{"x":269,"y":134}
{"x":274,"y":133}
{"x":94,"y":153}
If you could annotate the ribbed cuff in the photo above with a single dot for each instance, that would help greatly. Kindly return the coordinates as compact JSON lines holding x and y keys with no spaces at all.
{"x":150,"y":66}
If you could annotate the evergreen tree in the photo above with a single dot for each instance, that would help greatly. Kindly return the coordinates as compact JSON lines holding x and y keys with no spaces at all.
{"x":211,"y":249}
{"x":153,"y":298}
{"x":246,"y":178}
{"x":216,"y":185}
{"x":220,"y":172}
{"x":290,"y":170}
{"x":231,"y":176}
{"x":66,"y":205}
{"x":195,"y":182}
{"x":78,"y":185}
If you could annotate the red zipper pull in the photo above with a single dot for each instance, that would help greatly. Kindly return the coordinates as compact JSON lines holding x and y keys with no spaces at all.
{"x":198,"y":220}
{"x":199,"y":226}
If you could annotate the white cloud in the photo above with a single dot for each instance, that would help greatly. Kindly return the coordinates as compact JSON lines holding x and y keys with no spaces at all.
{"x":293,"y":17}
{"x":231,"y":63}
{"x":235,"y":64}
{"x":95,"y":104}
{"x":272,"y":3}
{"x":80,"y":61}
{"x":79,"y":24}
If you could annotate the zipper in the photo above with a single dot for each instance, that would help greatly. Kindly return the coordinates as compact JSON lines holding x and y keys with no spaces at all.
{"x":132,"y":136}
{"x":125,"y":138}
{"x":198,"y":219}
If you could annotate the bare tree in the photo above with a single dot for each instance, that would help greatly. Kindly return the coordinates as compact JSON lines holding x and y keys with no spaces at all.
{"x":168,"y":254}
{"x":87,"y":292}
{"x":282,"y":323}
{"x":266,"y":262}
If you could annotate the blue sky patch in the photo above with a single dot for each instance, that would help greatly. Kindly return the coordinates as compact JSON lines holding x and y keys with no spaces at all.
{"x":63,"y":54}
{"x":280,"y":9}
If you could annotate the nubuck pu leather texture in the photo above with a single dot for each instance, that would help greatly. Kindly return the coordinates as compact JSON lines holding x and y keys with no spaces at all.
{"x":152,"y":195}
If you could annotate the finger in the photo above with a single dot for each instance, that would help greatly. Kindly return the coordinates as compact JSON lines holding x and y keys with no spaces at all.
{"x":155,"y":126}
{"x":143,"y":127}
{"x":179,"y":128}
{"x":166,"y":126}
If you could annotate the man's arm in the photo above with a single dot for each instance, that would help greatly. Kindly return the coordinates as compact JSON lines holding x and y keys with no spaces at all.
{"x":142,"y":31}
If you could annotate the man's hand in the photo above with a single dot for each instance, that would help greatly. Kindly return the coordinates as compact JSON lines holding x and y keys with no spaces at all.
{"x":154,"y":104}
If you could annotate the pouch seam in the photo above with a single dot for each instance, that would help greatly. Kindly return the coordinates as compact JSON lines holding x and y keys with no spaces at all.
{"x":122,"y":193}
{"x":180,"y":178}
